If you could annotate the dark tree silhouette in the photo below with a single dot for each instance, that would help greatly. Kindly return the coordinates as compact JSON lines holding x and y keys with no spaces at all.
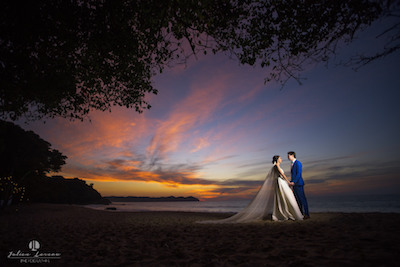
{"x":68,"y":57}
{"x":23,"y":153}
{"x":25,"y":159}
{"x":23,"y":156}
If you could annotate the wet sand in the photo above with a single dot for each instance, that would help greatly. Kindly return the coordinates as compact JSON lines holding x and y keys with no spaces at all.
{"x":87,"y":237}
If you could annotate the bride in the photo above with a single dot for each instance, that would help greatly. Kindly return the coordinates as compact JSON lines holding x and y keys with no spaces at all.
{"x":274,"y":196}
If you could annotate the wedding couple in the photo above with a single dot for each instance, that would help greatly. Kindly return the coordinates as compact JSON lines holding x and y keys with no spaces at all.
{"x":276,"y":196}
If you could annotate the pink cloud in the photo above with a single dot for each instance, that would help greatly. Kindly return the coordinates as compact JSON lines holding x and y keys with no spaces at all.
{"x":189,"y":113}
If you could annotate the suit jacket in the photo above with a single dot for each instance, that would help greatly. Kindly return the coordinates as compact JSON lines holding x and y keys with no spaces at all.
{"x":296,"y":176}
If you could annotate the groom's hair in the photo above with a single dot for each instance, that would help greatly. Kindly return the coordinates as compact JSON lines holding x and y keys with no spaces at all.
{"x":292,"y":153}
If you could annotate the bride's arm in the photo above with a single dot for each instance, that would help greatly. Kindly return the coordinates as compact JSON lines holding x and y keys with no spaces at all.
{"x":283,"y":175}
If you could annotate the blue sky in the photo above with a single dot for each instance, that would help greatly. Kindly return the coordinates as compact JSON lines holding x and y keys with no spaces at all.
{"x":215,"y":126}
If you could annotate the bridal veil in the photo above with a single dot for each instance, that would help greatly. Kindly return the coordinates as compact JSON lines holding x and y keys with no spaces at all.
{"x":260,"y":207}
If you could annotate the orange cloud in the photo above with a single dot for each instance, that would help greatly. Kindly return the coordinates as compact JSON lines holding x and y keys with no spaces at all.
{"x":200,"y":143}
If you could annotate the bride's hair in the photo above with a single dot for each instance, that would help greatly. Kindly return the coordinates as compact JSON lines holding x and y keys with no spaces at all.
{"x":275,"y":158}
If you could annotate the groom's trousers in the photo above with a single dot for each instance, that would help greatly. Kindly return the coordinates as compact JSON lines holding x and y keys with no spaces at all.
{"x":298,"y":191}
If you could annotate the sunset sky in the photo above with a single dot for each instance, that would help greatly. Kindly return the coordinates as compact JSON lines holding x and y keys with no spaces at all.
{"x":214,"y":127}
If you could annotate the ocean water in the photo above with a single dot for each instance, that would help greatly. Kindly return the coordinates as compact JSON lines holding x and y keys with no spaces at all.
{"x":363,"y":203}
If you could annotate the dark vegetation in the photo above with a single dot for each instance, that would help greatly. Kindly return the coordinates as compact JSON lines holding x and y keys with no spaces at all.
{"x":25,"y":161}
{"x":57,"y":189}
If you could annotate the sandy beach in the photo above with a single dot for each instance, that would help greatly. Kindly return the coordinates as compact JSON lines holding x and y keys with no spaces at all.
{"x":86,"y":237}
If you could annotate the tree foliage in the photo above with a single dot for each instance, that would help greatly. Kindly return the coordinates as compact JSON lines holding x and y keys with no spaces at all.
{"x":24,"y":153}
{"x":68,"y":57}
{"x":24,"y":157}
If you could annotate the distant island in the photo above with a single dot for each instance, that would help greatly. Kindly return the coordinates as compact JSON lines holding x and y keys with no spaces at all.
{"x":150,"y":199}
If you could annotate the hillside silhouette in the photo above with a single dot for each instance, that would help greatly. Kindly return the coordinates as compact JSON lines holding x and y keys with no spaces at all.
{"x":57,"y":189}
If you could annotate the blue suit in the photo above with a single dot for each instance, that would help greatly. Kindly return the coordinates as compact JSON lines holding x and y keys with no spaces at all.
{"x":298,"y":188}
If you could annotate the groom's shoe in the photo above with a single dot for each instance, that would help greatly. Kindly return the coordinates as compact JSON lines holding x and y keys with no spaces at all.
{"x":306,"y":217}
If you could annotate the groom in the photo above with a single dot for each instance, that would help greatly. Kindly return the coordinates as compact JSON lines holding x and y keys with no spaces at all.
{"x":298,"y":184}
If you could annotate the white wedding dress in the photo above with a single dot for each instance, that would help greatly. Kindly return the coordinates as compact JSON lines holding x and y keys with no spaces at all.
{"x":274,"y":196}
{"x":285,"y":204}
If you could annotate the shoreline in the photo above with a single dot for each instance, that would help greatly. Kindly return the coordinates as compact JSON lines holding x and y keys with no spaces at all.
{"x":227,"y":212}
{"x":236,"y":206}
{"x":102,"y":238}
